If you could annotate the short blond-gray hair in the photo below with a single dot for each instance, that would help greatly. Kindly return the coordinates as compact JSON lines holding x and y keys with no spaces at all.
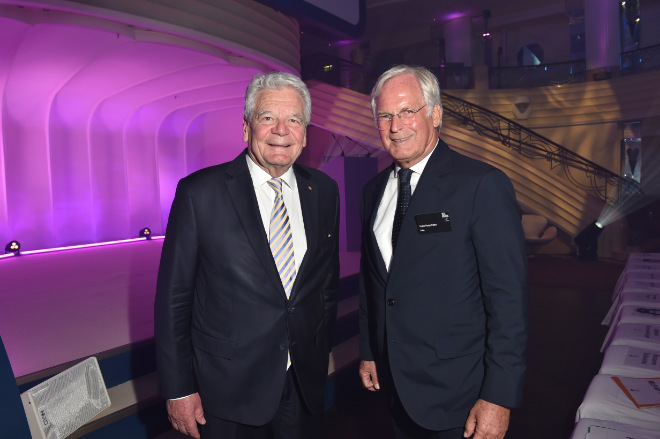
{"x":276,"y":81}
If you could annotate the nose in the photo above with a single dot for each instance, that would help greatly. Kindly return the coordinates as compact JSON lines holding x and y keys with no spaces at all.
{"x":280,"y":128}
{"x":396,"y":123}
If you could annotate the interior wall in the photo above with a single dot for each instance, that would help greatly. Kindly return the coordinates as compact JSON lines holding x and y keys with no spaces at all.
{"x":551,"y":33}
{"x":99,"y":119}
{"x":599,"y":143}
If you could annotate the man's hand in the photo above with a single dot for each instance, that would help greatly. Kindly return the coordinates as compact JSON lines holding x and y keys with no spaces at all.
{"x":186,"y":413}
{"x":369,"y":375}
{"x":487,"y":421}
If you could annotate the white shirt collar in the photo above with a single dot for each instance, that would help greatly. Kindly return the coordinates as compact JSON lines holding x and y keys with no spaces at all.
{"x":260,"y":177}
{"x":418,"y":167}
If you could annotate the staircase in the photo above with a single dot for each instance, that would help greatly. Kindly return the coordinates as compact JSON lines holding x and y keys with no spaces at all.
{"x":542,"y":186}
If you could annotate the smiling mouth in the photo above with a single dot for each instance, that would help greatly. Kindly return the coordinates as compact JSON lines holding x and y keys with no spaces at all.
{"x":401,"y":140}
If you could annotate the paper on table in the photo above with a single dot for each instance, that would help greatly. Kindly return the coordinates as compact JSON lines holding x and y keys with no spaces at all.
{"x":642,"y":358}
{"x":643,"y":392}
{"x":600,"y":432}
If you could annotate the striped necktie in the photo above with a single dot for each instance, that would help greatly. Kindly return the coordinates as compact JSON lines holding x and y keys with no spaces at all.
{"x":281,"y":242}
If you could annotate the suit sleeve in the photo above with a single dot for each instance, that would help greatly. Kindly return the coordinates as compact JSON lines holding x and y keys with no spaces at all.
{"x":174,"y":299}
{"x":500,"y":248}
{"x":330,"y":292}
{"x":366,"y":353}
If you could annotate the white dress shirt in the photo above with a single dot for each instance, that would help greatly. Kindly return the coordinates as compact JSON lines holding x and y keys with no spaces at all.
{"x":265,"y":197}
{"x":387,"y":208}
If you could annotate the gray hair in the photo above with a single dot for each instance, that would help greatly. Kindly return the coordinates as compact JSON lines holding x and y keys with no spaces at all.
{"x":276,"y":81}
{"x":427,"y":82}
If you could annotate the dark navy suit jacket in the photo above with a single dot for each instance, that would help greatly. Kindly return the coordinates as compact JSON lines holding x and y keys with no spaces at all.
{"x":223,"y":322}
{"x":452,"y":311}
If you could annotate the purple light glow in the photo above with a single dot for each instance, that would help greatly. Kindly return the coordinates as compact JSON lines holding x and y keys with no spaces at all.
{"x":98,"y":127}
{"x":341,"y":43}
{"x":451,"y":16}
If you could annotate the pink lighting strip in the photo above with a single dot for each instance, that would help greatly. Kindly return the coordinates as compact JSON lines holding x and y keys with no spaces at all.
{"x":74,"y":247}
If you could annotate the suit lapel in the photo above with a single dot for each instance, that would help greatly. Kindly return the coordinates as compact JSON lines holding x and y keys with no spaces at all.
{"x":438,"y":165}
{"x":309,"y":204}
{"x":375,"y":197}
{"x":244,"y":200}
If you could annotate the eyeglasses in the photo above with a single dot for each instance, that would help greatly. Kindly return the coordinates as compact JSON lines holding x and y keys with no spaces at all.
{"x":384,"y":121}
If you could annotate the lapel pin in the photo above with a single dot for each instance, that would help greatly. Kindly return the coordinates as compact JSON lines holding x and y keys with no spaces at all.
{"x":309,"y":187}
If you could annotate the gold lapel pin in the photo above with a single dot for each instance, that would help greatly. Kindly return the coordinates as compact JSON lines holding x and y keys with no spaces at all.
{"x":309,"y":187}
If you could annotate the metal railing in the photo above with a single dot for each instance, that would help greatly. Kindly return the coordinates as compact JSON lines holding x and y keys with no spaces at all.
{"x":537,"y":76}
{"x":640,"y":60}
{"x":455,"y":76}
{"x":360,"y":77}
{"x":600,"y":182}
{"x":585,"y":174}
{"x":340,"y":72}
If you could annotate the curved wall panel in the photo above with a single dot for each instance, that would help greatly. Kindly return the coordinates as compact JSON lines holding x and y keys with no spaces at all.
{"x":104,"y":110}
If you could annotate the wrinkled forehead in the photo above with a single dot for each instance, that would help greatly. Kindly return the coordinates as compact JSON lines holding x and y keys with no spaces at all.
{"x":279,"y":99}
{"x":399,"y":92}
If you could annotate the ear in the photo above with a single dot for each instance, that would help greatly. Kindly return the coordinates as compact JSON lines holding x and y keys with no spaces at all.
{"x":246,"y":130}
{"x":437,"y":115}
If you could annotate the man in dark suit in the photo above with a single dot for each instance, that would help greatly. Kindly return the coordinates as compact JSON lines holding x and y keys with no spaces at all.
{"x":443,"y":293}
{"x":246,"y":294}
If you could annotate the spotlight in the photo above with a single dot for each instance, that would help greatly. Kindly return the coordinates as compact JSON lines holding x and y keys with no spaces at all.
{"x":587,"y":242}
{"x":13,"y":247}
{"x":145,"y":233}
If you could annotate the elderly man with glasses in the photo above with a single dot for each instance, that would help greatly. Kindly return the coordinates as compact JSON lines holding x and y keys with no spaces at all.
{"x":443,"y":291}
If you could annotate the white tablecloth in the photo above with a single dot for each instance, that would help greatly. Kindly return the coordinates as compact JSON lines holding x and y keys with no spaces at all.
{"x":643,"y":257}
{"x":605,"y":400}
{"x":614,"y":430}
{"x":631,"y":361}
{"x":632,"y":314}
{"x":644,"y":296}
{"x":642,"y":335}
{"x":648,"y":278}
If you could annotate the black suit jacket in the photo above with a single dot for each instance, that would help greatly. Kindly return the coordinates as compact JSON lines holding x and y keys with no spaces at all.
{"x":452,"y":312}
{"x":223,"y":322}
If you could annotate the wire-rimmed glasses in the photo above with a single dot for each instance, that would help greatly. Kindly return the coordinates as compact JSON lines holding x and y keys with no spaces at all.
{"x":384,"y":120}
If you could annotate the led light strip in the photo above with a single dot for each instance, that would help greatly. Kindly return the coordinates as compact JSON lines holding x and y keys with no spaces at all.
{"x":74,"y":247}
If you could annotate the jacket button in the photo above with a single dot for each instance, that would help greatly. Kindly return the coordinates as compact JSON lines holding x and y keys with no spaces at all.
{"x":290,"y":309}
{"x":390,"y":302}
{"x":282,"y":347}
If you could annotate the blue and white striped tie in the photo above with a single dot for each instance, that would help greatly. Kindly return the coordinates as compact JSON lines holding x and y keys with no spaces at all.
{"x":281,"y":242}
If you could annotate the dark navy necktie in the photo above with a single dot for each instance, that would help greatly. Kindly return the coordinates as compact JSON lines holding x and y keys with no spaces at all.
{"x":402,"y":201}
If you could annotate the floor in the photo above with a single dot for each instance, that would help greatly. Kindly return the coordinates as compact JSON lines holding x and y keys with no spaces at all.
{"x":568,"y":299}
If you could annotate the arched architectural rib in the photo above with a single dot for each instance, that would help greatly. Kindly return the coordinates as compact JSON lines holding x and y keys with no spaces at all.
{"x":92,"y":94}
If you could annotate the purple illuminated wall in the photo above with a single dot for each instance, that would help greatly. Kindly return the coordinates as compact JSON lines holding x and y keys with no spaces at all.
{"x":99,"y":120}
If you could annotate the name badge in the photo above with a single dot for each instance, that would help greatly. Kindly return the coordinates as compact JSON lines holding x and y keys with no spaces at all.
{"x":433,"y":222}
